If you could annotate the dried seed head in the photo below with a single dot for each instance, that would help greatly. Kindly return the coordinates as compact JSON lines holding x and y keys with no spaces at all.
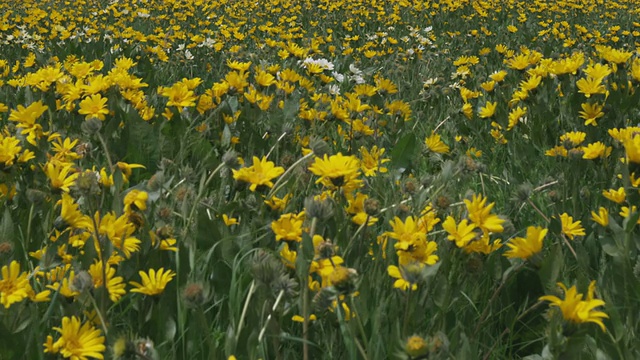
{"x":230,"y":159}
{"x":325,"y":250}
{"x":443,"y":202}
{"x":6,"y":248}
{"x":81,"y":281}
{"x":371,"y":206}
{"x":155,"y":182}
{"x":410,"y":186}
{"x":183,"y":192}
{"x":164,"y":213}
{"x":553,"y":196}
{"x":36,"y":197}
{"x":87,"y":183}
{"x":402,"y":211}
{"x":193,"y":295}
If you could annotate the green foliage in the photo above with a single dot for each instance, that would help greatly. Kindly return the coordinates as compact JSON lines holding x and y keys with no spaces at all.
{"x":320,"y":180}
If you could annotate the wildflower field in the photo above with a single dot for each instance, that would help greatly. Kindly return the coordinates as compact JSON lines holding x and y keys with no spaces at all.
{"x":314,"y":179}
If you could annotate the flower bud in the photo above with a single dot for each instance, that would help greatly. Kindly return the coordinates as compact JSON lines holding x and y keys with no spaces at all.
{"x":91,"y":126}
{"x":319,"y":147}
{"x":230,"y":159}
{"x":416,"y":346}
{"x":320,"y":209}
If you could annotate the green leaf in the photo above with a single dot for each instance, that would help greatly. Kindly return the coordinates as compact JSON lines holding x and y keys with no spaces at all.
{"x":6,"y":226}
{"x":291,"y":107}
{"x":555,"y":226}
{"x":404,"y":151}
{"x":170,"y":328}
{"x":226,"y":136}
{"x":551,"y":266}
{"x":630,"y":221}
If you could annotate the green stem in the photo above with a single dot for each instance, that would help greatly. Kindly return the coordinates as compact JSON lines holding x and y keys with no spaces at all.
{"x":106,"y":151}
{"x":485,"y":312}
{"x":273,"y":309}
{"x":99,"y":313}
{"x":359,"y":322}
{"x":305,"y":301}
{"x":207,"y":331}
{"x":28,"y":239}
{"x":197,"y":200}
{"x":405,"y":322}
{"x":276,"y":186}
{"x":244,"y":310}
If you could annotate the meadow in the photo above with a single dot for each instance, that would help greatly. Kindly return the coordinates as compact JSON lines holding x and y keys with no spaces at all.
{"x":313,"y":179}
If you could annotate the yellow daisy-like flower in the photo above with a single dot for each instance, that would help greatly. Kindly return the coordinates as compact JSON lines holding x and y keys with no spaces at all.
{"x":480,"y":214}
{"x":488,"y":110}
{"x":154,"y":282}
{"x":94,"y":106}
{"x":576,"y":310}
{"x":14,"y":286}
{"x":288,"y":227}
{"x":28,"y":116}
{"x":590,"y":86}
{"x":617,"y":196}
{"x":571,"y":228}
{"x":334,"y":170}
{"x":420,"y":252}
{"x":524,"y":248}
{"x":591,"y":113}
{"x":596,"y":150}
{"x":401,"y":281}
{"x":61,"y":175}
{"x":601,"y":217}
{"x":573,"y":138}
{"x":371,"y":162}
{"x":126,"y":169}
{"x":135,"y":200}
{"x":260,"y":173}
{"x":228,"y":221}
{"x":77,"y":341}
{"x":406,"y":232}
{"x":179,"y":95}
{"x":115,"y":284}
{"x":462,"y":233}
{"x":71,"y":215}
{"x":632,"y":148}
{"x":483,"y":245}
{"x":435,"y":144}
{"x":298,"y":318}
{"x":278,"y":204}
{"x":9,"y":150}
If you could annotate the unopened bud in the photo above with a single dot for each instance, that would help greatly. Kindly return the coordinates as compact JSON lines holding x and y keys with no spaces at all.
{"x":91,"y":126}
